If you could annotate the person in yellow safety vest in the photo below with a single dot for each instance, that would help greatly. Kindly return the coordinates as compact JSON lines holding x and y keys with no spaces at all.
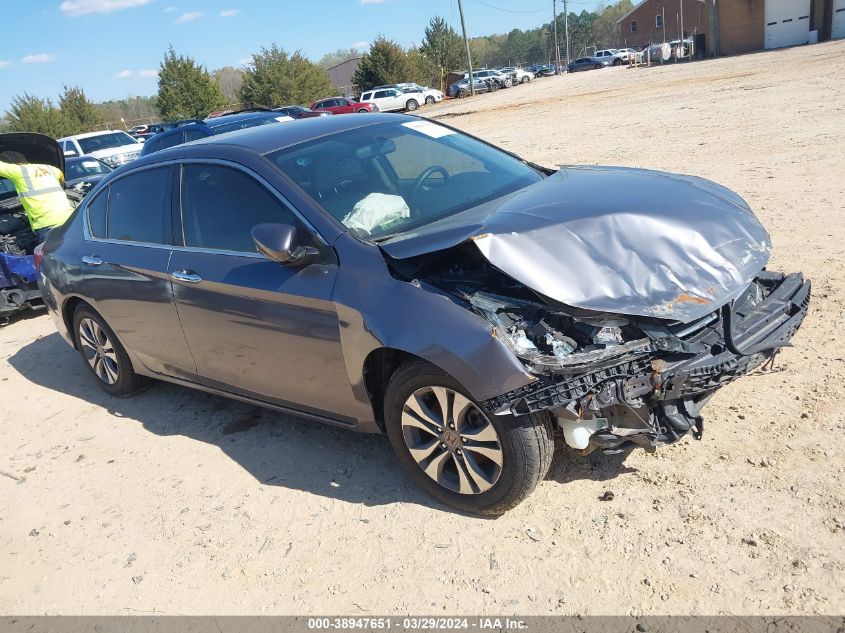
{"x":40,"y":190}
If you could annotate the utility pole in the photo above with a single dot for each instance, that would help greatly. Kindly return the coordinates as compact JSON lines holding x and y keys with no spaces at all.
{"x":557,"y":46}
{"x":466,"y":46}
{"x":566,"y":28}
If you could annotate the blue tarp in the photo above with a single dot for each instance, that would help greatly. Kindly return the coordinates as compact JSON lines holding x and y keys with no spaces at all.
{"x":15,"y":269}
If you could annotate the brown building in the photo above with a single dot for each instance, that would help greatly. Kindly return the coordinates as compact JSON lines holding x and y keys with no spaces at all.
{"x":728,"y":27}
{"x":341,"y":75}
{"x":661,"y":21}
{"x":751,"y":25}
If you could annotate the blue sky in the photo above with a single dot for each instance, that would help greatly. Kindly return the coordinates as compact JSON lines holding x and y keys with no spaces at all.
{"x":112,"y":48}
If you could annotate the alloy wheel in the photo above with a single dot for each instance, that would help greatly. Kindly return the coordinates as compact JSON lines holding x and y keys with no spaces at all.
{"x":99,"y":351}
{"x":451,"y":440}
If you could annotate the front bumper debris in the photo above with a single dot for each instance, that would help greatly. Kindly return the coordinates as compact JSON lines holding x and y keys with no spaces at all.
{"x":654,"y":394}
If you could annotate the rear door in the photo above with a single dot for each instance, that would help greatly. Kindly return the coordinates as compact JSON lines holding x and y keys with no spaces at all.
{"x":345,"y":106}
{"x":255,"y":326}
{"x":125,"y":261}
{"x":384,"y":100}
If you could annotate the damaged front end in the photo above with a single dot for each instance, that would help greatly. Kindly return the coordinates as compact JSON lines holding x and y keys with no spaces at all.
{"x":615,"y":381}
{"x":630,"y":295}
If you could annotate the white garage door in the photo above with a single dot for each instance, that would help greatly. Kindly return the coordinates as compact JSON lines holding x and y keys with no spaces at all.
{"x":837,"y":29}
{"x":787,"y":22}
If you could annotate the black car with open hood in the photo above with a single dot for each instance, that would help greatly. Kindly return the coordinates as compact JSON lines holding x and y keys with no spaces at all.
{"x":18,"y":289}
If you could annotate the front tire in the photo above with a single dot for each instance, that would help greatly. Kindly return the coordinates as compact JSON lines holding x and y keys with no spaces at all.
{"x":104,"y":355}
{"x":363,"y":111}
{"x":525,"y":79}
{"x":412,"y":105}
{"x":461,"y":456}
{"x":429,"y":100}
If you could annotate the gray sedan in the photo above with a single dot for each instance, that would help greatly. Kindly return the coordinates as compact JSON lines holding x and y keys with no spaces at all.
{"x":391,"y":274}
{"x":587,"y":63}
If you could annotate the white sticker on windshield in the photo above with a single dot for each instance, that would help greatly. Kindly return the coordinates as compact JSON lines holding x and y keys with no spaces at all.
{"x":429,"y":129}
{"x":90,"y":164}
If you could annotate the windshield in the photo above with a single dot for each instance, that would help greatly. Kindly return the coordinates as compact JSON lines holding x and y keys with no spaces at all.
{"x":6,"y":186}
{"x":105,"y":141}
{"x":388,"y":178}
{"x":82,"y":168}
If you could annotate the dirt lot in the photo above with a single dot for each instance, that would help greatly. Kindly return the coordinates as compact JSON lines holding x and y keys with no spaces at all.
{"x":180,"y":503}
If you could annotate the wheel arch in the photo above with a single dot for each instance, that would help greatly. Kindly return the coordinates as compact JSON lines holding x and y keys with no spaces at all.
{"x":379,"y":367}
{"x":68,"y":310}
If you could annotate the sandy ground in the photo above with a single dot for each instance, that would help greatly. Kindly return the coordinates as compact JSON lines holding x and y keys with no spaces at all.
{"x":180,"y":503}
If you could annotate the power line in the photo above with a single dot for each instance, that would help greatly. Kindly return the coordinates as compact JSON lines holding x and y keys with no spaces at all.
{"x":492,"y":6}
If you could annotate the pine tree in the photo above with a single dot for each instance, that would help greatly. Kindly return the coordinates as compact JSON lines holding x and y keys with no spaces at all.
{"x":443,"y":47}
{"x":185,"y":89}
{"x":275,"y":79}
{"x":33,"y":114}
{"x":386,"y":63}
{"x":79,"y":113}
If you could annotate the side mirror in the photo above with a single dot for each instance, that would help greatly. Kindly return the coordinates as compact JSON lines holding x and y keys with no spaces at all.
{"x":279,"y":243}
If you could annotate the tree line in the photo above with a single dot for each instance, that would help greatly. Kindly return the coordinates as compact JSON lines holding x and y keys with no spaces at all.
{"x":275,"y":77}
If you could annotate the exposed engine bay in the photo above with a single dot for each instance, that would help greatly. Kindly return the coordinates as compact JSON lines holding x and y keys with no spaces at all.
{"x":614,"y":380}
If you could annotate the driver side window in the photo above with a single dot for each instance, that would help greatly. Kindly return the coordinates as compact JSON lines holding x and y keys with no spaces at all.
{"x":220,"y":205}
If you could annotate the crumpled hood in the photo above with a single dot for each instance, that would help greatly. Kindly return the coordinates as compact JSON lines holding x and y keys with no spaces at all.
{"x":612,"y":239}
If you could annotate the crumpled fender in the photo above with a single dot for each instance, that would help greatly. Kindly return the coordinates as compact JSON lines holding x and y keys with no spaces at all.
{"x":377,"y":310}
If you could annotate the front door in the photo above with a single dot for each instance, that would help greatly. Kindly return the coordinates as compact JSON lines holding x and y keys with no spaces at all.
{"x":255,"y":326}
{"x":125,"y":269}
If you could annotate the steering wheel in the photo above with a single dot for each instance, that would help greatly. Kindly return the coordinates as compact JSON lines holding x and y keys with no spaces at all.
{"x":425,"y":175}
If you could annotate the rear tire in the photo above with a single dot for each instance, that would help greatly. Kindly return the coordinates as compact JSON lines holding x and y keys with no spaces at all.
{"x":104,"y":355}
{"x":479,"y":463}
{"x":597,"y":66}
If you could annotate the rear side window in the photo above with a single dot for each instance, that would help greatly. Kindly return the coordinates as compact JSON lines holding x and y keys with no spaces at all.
{"x":220,"y":205}
{"x":139,"y":207}
{"x":367,"y":96}
{"x":97,"y":214}
{"x":153,"y":145}
{"x":192,"y":134}
{"x":172,"y":140}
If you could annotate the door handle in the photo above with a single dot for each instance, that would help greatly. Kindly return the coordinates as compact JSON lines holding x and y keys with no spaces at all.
{"x":91,"y":260}
{"x":186,"y":276}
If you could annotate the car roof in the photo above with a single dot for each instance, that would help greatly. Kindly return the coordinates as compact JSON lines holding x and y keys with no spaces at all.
{"x":90,"y":134}
{"x":267,"y":138}
{"x":241,"y":116}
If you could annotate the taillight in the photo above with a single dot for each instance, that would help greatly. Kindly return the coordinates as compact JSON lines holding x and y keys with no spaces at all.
{"x":38,"y":254}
